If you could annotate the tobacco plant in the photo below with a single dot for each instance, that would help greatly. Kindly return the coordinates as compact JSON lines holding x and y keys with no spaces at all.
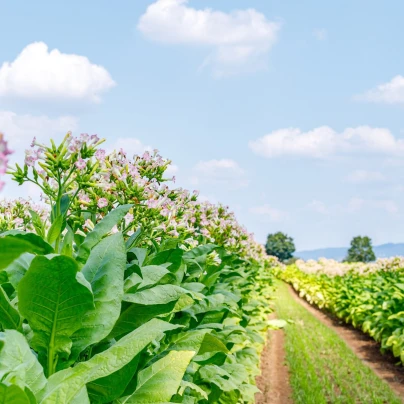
{"x":371,"y":301}
{"x":103,"y":302}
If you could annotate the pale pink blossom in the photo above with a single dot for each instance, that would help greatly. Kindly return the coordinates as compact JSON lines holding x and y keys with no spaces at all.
{"x":102,"y":203}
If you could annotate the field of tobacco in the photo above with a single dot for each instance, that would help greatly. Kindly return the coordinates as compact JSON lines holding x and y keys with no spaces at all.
{"x":120,"y":289}
{"x":368,"y":296}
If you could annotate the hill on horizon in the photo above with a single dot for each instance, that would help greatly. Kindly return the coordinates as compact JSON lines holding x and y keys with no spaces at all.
{"x":339,"y":253}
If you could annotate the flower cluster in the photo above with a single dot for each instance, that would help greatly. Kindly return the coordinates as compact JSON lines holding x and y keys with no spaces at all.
{"x":18,"y":215}
{"x":334,"y":268}
{"x":4,"y":153}
{"x":96,"y":182}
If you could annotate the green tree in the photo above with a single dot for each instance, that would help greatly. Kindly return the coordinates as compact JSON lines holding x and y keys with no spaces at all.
{"x":361,"y":250}
{"x":280,"y":245}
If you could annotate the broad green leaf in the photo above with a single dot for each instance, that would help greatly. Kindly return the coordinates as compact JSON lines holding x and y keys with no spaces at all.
{"x":104,"y":270}
{"x":158,"y":301}
{"x":218,"y":376}
{"x":16,"y":357}
{"x":200,"y":341}
{"x":132,"y":239}
{"x":111,"y":387}
{"x":160,"y":294}
{"x":173,"y":256}
{"x":199,"y":251}
{"x":37,"y":241}
{"x":160,"y":381}
{"x":136,"y":315}
{"x":11,"y":247}
{"x":53,"y":297}
{"x":81,"y":398}
{"x":101,"y":229}
{"x":9,"y":316}
{"x":132,"y":282}
{"x":210,"y":303}
{"x":152,"y":274}
{"x":17,"y":269}
{"x":56,"y":229}
{"x":186,"y":384}
{"x":140,"y":254}
{"x":12,"y":394}
{"x":66,"y":384}
{"x":194,"y":286}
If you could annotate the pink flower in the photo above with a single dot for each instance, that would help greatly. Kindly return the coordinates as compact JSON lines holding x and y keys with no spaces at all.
{"x":94,"y":139}
{"x":128,"y":219}
{"x":80,"y":164}
{"x":102,"y":203}
{"x":100,"y":155}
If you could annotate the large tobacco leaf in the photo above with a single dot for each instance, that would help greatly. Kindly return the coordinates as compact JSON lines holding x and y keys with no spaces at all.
{"x":9,"y":316}
{"x":11,"y":247}
{"x":160,"y":381}
{"x":17,"y":360}
{"x":160,"y":300}
{"x":17,"y":269}
{"x":66,"y":384}
{"x":53,"y":297}
{"x":11,"y":393}
{"x":104,"y":270}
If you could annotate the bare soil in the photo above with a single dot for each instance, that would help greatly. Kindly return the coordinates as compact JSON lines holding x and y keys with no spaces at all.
{"x":384,"y":365}
{"x":274,"y":379}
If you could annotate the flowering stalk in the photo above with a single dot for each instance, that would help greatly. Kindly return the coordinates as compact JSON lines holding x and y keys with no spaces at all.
{"x":60,"y":171}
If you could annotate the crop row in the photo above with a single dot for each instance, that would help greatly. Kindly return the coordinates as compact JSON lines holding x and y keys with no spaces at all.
{"x":121,"y":289}
{"x":370,"y":301}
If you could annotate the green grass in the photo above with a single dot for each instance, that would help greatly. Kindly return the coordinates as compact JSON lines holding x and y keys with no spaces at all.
{"x":322,"y":368}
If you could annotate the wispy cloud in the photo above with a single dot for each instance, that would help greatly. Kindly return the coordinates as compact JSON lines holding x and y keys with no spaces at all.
{"x":238,"y":40}
{"x":323,"y":142}
{"x":224,"y":172}
{"x":391,"y":92}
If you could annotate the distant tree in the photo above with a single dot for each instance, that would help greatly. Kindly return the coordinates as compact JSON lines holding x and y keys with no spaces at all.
{"x":361,"y":250}
{"x":280,"y":245}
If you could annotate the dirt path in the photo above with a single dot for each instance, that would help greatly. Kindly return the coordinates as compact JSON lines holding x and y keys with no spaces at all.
{"x":274,"y":379}
{"x":363,"y":346}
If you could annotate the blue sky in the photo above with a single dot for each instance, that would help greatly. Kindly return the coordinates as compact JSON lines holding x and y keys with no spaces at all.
{"x":289,"y":112}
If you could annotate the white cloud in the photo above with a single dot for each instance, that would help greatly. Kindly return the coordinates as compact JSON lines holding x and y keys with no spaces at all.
{"x":318,"y":207}
{"x":269,"y":213}
{"x":363,"y":176}
{"x":225,"y":172}
{"x":357,"y":204}
{"x":38,"y":73}
{"x":130,"y":145}
{"x":21,"y":129}
{"x":391,"y":92}
{"x":320,"y":34}
{"x":323,"y":142}
{"x":238,"y":39}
